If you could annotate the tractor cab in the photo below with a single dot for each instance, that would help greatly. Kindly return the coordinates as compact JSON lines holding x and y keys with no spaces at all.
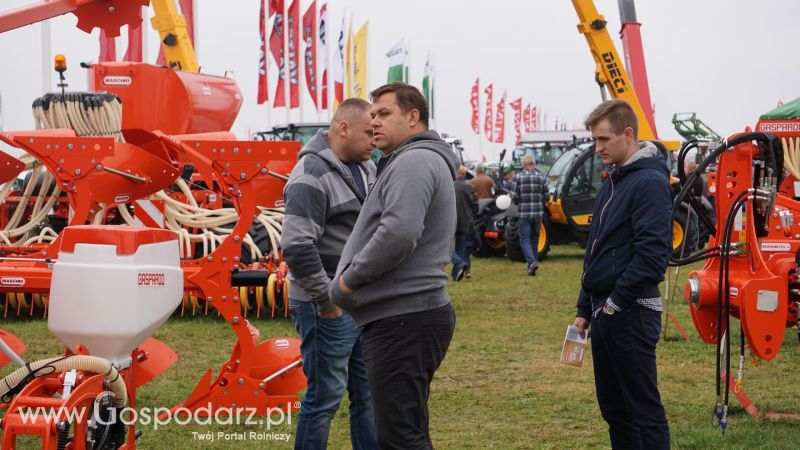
{"x":302,"y":132}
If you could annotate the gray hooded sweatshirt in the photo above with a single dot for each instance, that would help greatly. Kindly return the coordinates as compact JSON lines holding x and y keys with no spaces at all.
{"x":322,"y":204}
{"x":394,"y":259}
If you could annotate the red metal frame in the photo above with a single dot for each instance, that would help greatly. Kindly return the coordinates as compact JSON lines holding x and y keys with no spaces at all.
{"x":109,"y":15}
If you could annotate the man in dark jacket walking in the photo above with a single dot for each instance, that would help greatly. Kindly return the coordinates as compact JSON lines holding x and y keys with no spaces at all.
{"x":391,"y":276}
{"x":323,"y":198}
{"x":466,"y":209}
{"x":628,"y":248}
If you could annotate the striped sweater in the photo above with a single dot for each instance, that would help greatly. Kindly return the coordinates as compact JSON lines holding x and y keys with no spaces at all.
{"x":322,"y":205}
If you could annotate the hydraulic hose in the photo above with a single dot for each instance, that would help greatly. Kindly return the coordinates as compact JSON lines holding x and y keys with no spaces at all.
{"x":17,"y":379}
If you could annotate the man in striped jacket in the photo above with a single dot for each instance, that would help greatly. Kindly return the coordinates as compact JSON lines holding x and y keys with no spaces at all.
{"x":323,"y":199}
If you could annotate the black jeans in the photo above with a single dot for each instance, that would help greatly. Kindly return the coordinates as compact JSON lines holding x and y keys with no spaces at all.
{"x":624,"y":354}
{"x":401,"y":354}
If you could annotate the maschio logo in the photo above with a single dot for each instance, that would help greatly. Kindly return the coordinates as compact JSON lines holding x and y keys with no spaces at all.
{"x":115,"y":80}
{"x":282,"y":343}
{"x":122,"y":198}
{"x":151,"y":279}
{"x":12,"y":281}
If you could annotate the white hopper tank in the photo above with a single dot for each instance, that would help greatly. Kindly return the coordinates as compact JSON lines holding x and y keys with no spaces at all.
{"x":112,"y":287}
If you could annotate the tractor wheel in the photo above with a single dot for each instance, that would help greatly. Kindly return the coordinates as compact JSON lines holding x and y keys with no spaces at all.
{"x":513,"y":247}
{"x":260,"y":237}
{"x":684,"y":235}
{"x":544,"y":239}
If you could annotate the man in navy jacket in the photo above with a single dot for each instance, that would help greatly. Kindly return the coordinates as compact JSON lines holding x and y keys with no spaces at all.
{"x":629,"y":244}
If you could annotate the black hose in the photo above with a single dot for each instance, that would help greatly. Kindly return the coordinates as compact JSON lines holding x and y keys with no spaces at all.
{"x":747,"y":137}
{"x":724,"y":289}
{"x":723,"y":284}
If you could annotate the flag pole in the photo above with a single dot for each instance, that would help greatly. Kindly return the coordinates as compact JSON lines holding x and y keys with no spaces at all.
{"x":286,"y":81}
{"x":328,"y":49}
{"x":46,"y":55}
{"x":317,"y":72}
{"x":301,"y":62}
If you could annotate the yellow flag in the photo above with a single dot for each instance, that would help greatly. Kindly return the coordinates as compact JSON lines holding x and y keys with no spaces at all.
{"x":348,"y":66}
{"x":360,"y":89}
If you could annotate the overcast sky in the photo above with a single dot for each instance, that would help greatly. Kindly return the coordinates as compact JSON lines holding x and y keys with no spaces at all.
{"x":729,"y":61}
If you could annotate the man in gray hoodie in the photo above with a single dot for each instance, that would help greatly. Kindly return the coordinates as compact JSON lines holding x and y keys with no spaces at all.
{"x":391,"y":276}
{"x":323,"y":198}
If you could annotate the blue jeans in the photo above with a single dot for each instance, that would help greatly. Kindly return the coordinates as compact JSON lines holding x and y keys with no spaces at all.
{"x":461,"y":251}
{"x":529,"y":239}
{"x":332,"y":362}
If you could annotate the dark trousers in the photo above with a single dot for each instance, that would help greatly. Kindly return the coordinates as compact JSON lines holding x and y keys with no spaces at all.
{"x":624,"y":355}
{"x":463,"y":246}
{"x":401,"y":354}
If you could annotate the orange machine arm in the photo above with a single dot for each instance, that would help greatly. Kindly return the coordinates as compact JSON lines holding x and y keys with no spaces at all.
{"x":610,"y":71}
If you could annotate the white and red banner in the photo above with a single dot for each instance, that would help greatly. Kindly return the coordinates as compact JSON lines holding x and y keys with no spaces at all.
{"x":293,"y":28}
{"x":323,"y":54}
{"x":473,"y":101}
{"x":488,"y":127}
{"x":534,"y":118}
{"x":526,"y":118}
{"x":277,"y":49}
{"x":263,"y":96}
{"x":516,"y":106}
{"x":310,"y":53}
{"x":500,"y":121}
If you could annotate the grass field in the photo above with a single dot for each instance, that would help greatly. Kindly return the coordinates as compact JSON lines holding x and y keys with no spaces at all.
{"x":501,"y":385}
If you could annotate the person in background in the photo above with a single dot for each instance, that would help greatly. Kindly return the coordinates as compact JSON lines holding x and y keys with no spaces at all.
{"x":466,"y":209}
{"x":508,"y":180}
{"x":530,"y":190}
{"x":484,"y":184}
{"x":323,"y":198}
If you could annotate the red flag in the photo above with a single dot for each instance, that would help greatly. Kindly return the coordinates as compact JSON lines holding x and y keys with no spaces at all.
{"x":473,"y":100}
{"x":500,"y":121}
{"x":487,"y":121}
{"x":310,"y":38}
{"x":323,"y":51}
{"x":134,"y":52}
{"x":526,"y":118}
{"x":277,"y":50}
{"x":293,"y":28}
{"x":516,"y":106}
{"x":263,"y":95}
{"x":108,"y":48}
{"x":534,"y":118}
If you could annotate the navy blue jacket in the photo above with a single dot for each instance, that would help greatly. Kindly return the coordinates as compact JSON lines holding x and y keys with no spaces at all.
{"x":630,"y":239}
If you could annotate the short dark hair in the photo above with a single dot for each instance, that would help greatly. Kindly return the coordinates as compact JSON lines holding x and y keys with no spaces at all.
{"x":620,"y":115}
{"x":349,"y":106}
{"x":408,"y":98}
